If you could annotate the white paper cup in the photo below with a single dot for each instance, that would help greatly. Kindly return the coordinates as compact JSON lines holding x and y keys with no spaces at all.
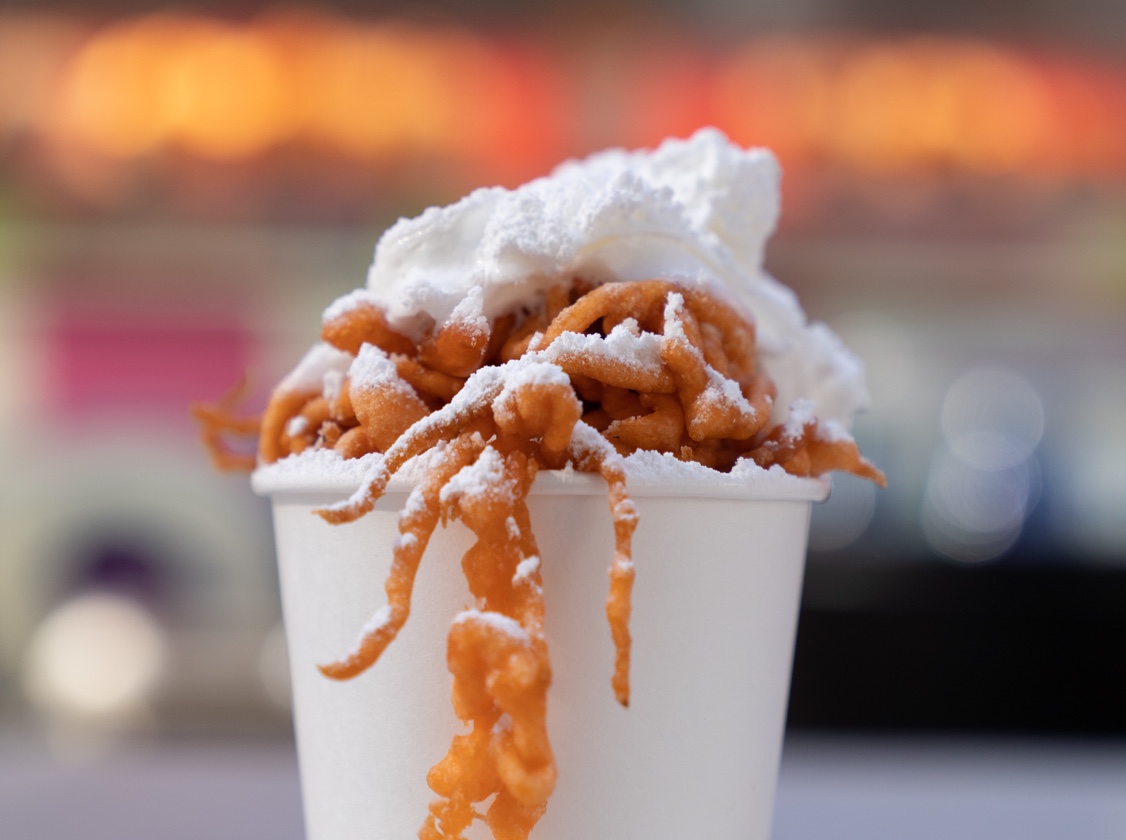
{"x":715,"y":605}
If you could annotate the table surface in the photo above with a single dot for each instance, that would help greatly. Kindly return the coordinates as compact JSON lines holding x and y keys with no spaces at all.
{"x":830,"y":788}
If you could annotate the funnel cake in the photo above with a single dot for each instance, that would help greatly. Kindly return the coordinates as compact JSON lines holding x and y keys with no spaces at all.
{"x":589,"y":367}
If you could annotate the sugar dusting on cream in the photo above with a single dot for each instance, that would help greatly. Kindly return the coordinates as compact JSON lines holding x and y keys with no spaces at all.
{"x":696,"y":212}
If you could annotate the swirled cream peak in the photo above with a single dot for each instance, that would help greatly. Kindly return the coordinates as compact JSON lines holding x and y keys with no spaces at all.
{"x":695,"y":211}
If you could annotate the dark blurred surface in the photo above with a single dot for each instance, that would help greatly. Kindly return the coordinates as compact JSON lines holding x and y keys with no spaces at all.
{"x":1017,"y":650}
{"x":182,"y":191}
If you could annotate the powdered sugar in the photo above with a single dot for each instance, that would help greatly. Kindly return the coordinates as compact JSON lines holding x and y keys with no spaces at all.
{"x":801,"y":415}
{"x":484,"y":477}
{"x":724,"y":391}
{"x":531,"y":370}
{"x":720,"y":391}
{"x":647,"y":473}
{"x":381,"y":619}
{"x":693,"y":211}
{"x":469,"y":312}
{"x":320,"y":360}
{"x":649,"y":469}
{"x":674,"y":320}
{"x":494,"y":620}
{"x":587,"y":441}
{"x":526,"y":569}
{"x":373,"y":368}
{"x":623,"y":345}
{"x":832,"y":431}
{"x":332,"y":385}
{"x":350,"y":301}
{"x":406,"y":541}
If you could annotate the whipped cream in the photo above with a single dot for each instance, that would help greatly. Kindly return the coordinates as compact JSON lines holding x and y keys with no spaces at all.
{"x":695,"y":211}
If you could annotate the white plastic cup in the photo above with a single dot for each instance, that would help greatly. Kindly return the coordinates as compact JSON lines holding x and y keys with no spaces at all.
{"x":715,"y":604}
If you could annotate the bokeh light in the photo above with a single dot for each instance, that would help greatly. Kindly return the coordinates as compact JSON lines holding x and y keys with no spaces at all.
{"x":985,"y":478}
{"x":973,"y":515}
{"x":96,"y":657}
{"x":992,"y":418}
{"x":841,"y":520}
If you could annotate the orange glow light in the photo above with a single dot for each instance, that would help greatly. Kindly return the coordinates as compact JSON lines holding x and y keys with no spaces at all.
{"x":109,"y":93}
{"x":31,"y":49}
{"x":378,"y":91}
{"x":225,"y":92}
{"x":905,"y":105}
{"x":147,"y":83}
{"x":382,"y":93}
{"x":776,"y":93}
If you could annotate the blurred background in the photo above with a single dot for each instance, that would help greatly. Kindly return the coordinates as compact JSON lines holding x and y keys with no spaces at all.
{"x":183,"y":189}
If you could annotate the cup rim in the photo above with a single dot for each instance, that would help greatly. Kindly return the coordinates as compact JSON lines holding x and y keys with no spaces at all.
{"x":759,"y":485}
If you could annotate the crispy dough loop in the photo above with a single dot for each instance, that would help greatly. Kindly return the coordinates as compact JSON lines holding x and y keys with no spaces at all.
{"x":284,"y":405}
{"x":598,"y":419}
{"x":622,"y":403}
{"x":661,"y":430}
{"x":806,"y":453}
{"x":435,"y":387}
{"x":385,"y":410}
{"x":416,"y":524}
{"x":457,"y":349}
{"x":642,"y":300}
{"x":466,"y":775}
{"x":340,"y":405}
{"x":616,"y":372}
{"x":546,"y":412}
{"x":516,"y":345}
{"x":364,"y":323}
{"x":591,"y":452}
{"x":714,"y":407}
{"x":353,"y":443}
{"x":521,"y":333}
{"x":735,"y":331}
{"x":828,"y":455}
{"x":448,"y":422}
{"x":501,"y":673}
{"x":218,"y":419}
{"x":783,"y":443}
{"x":724,"y":337}
{"x":711,"y":345}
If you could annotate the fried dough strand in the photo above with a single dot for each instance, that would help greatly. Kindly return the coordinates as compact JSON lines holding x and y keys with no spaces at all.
{"x":714,"y":406}
{"x":364,"y":323}
{"x":433,"y":386}
{"x":386,"y":406}
{"x":456,"y":350}
{"x":498,"y":657}
{"x":593,"y":453}
{"x":417,"y":522}
{"x":462,"y":414}
{"x":284,"y":405}
{"x":219,"y":419}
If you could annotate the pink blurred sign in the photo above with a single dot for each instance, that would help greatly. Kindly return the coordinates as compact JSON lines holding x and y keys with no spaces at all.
{"x":152,"y":362}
